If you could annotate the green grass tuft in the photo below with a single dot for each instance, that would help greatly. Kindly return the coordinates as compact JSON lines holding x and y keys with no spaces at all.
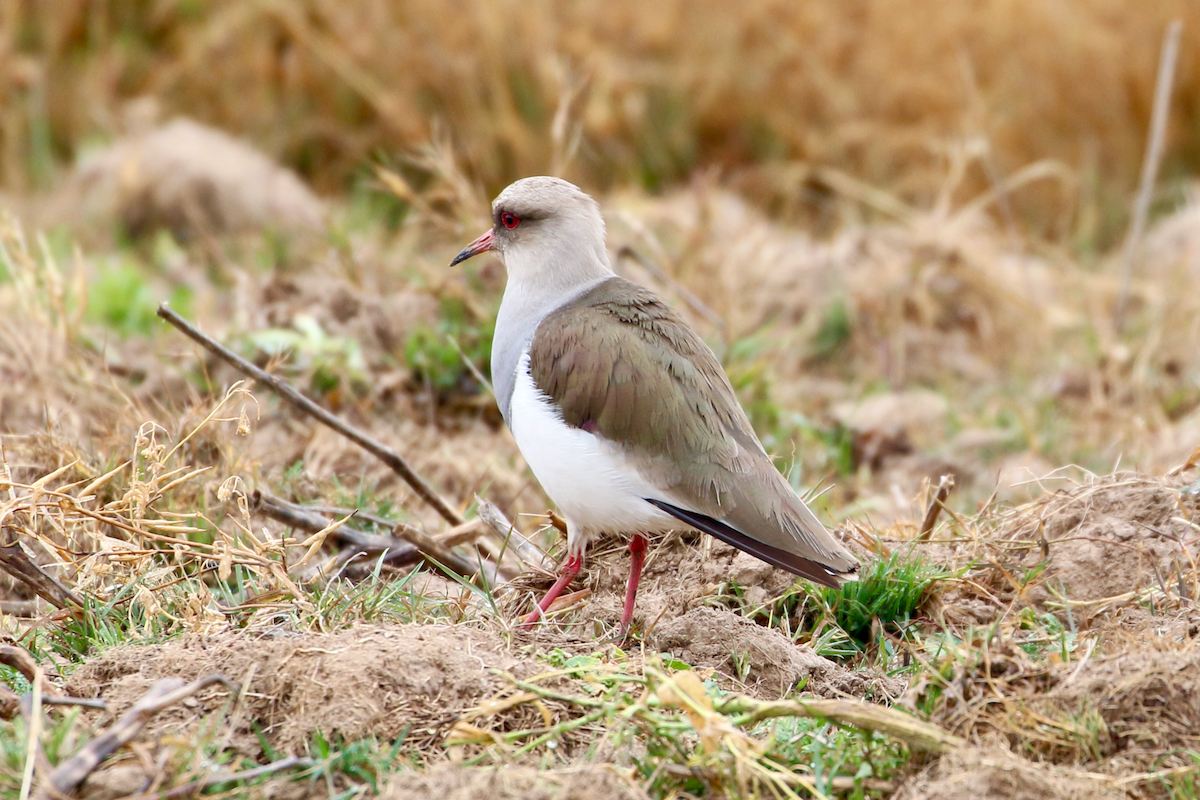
{"x":446,"y":357}
{"x":835,"y":331}
{"x":122,"y":299}
{"x":890,"y":591}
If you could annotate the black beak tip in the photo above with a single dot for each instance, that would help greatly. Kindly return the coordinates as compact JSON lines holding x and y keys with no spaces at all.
{"x":461,"y":257}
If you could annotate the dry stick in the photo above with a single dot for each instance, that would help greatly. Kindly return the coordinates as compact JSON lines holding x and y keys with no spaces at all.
{"x":935,"y":506}
{"x":526,"y":550}
{"x":1154,"y":148}
{"x":466,"y":533}
{"x":19,"y":659}
{"x":387,"y":455}
{"x":16,"y":563}
{"x":68,"y":776}
{"x":289,"y":514}
{"x":359,"y":514}
{"x":311,"y":520}
{"x":431,"y":548}
{"x":23,"y":662}
{"x":915,"y":733}
{"x":403,"y":550}
{"x":19,"y":608}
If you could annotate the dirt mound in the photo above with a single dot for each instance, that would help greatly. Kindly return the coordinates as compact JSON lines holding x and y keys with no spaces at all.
{"x":371,"y":681}
{"x":464,"y":783}
{"x":993,"y":774}
{"x":190,"y":179}
{"x":684,"y":574}
{"x":762,"y":658}
{"x":1119,"y":534}
{"x":1149,"y":701}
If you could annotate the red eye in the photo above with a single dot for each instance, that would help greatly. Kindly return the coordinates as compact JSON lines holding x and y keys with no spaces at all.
{"x":509,"y":221}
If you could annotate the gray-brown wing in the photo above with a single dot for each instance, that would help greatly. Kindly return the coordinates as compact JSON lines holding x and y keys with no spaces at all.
{"x":620,"y":363}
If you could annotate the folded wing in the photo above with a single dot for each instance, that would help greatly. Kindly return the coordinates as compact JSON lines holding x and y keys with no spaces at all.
{"x":621,"y":364}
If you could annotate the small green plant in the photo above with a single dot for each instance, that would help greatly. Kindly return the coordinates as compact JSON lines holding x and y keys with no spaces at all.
{"x":1046,"y":634}
{"x":340,"y":605}
{"x":333,"y":362}
{"x":61,"y":736}
{"x":351,"y":767}
{"x":105,"y":624}
{"x":824,"y":449}
{"x":450,"y":356}
{"x":1087,"y":731}
{"x":122,"y":298}
{"x":834,"y":332}
{"x":1187,"y":785}
{"x":890,"y":591}
{"x":830,"y":751}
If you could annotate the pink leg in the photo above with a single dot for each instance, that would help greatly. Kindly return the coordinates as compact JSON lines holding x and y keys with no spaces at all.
{"x":637,"y":549}
{"x":570,"y":569}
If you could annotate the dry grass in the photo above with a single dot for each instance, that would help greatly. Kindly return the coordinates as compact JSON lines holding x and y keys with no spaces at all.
{"x":624,"y":92}
{"x":950,"y":313}
{"x":135,"y":498}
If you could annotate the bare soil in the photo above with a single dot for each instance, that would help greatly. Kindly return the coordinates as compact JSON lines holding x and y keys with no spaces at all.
{"x":1149,"y":701}
{"x":585,"y":782}
{"x":378,"y":681}
{"x":996,"y":774}
{"x":762,"y":658}
{"x":1124,"y":533}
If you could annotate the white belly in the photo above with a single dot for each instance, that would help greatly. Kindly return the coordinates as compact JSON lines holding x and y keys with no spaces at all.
{"x":589,"y":479}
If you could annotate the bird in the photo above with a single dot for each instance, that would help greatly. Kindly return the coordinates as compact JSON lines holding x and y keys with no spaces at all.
{"x":623,"y":413}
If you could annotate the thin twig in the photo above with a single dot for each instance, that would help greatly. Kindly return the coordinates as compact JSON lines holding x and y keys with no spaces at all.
{"x":68,"y":775}
{"x":405,"y":547}
{"x":860,"y":714}
{"x":19,"y":608}
{"x":311,"y":520}
{"x":438,"y":554}
{"x":19,"y":659}
{"x":462,"y":534}
{"x":1154,"y":148}
{"x":23,"y":662}
{"x":526,"y":550}
{"x":16,"y":563}
{"x":935,"y":506}
{"x":359,"y":514}
{"x":387,"y":455}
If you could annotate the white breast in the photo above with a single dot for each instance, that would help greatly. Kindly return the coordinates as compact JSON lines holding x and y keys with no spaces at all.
{"x":589,"y":479}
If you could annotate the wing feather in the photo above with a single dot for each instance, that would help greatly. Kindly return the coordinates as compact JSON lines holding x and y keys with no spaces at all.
{"x":619,"y":362}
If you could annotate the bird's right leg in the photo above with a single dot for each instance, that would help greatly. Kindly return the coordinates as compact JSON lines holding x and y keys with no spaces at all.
{"x":570,"y":569}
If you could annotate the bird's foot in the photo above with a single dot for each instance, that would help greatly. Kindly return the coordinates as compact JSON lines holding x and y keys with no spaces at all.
{"x":570,"y":569}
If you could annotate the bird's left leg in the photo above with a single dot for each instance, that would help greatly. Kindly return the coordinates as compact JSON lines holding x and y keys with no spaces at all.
{"x":637,"y":552}
{"x":570,"y":569}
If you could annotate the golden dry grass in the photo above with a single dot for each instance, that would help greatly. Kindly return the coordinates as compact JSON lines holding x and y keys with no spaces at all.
{"x":619,"y":92}
{"x":819,"y":187}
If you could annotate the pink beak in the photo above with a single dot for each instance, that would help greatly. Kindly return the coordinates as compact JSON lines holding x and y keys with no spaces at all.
{"x":480,"y":245}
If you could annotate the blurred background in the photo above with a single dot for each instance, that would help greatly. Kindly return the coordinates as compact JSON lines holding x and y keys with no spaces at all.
{"x":900,"y":225}
{"x":615,"y":94}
